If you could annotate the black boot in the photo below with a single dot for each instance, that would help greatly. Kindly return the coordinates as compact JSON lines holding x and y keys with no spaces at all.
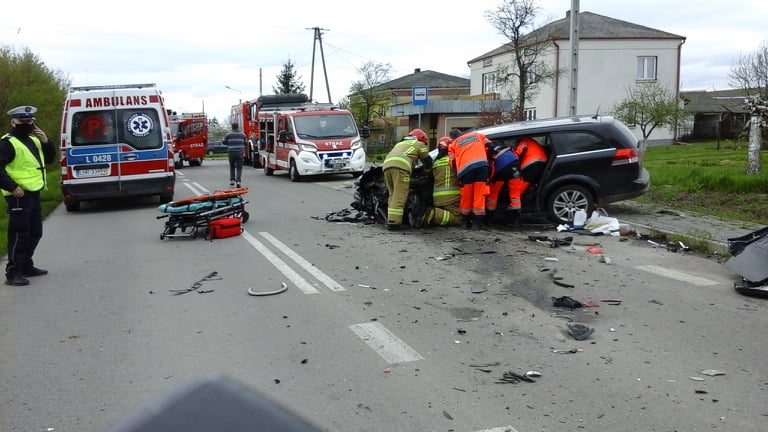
{"x":478,"y":222}
{"x":466,"y":221}
{"x":514,"y":218}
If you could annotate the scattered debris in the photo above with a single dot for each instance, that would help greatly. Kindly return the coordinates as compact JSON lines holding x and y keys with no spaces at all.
{"x":697,"y":378}
{"x":197,"y":285}
{"x":566,"y":302}
{"x":611,"y":301}
{"x":595,"y":250}
{"x":514,"y":378}
{"x":558,"y":279}
{"x":605,"y":259}
{"x":533,"y":374}
{"x":553,"y":259}
{"x":658,"y":302}
{"x":570,"y":351}
{"x":283,"y":288}
{"x":478,"y":289}
{"x":712,"y":372}
{"x":579,"y":332}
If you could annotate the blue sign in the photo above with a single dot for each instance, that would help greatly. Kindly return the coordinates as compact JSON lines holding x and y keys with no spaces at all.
{"x":420,"y":95}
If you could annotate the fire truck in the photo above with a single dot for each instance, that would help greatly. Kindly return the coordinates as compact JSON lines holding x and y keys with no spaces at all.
{"x":306,"y":139}
{"x":190,"y":138}
{"x":242,"y":116}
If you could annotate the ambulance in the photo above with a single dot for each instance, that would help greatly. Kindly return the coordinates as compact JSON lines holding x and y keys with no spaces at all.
{"x":115,"y":142}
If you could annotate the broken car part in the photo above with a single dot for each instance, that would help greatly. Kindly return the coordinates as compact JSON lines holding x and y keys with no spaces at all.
{"x":282,"y":288}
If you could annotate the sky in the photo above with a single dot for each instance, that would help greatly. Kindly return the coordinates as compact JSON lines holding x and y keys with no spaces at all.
{"x":208,"y":56}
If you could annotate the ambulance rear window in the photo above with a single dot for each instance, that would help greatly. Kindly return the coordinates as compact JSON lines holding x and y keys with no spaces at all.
{"x":139,"y":128}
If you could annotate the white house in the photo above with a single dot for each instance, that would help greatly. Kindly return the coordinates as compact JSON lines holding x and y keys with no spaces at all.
{"x":614,"y":56}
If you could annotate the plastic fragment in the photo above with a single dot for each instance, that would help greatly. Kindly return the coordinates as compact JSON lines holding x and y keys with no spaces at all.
{"x":712,"y":372}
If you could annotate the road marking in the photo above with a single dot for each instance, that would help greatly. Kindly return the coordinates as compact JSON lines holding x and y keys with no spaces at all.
{"x":385,"y":343}
{"x":194,"y":189}
{"x":306,"y":265}
{"x":678,"y":275}
{"x":284,"y":268}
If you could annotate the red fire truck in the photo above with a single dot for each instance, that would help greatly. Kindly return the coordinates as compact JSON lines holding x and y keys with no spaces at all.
{"x":306,"y":139}
{"x":190,"y":138}
{"x":242,"y":116}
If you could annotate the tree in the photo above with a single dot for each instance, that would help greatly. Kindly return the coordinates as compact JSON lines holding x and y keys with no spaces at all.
{"x":26,"y":80}
{"x":650,"y":105}
{"x":759,"y":110}
{"x":287,"y":80}
{"x":514,"y":19}
{"x":750,"y":73}
{"x":364,"y":99}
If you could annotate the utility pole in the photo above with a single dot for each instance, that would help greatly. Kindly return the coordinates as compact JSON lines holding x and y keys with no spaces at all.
{"x":318,"y":39}
{"x":573,"y":95}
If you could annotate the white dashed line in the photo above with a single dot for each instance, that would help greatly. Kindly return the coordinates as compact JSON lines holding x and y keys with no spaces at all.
{"x":678,"y":275}
{"x":385,"y":343}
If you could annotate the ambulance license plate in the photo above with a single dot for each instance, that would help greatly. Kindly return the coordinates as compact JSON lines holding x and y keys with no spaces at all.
{"x":92,"y":172}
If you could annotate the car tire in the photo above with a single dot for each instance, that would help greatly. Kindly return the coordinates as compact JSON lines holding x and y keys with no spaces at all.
{"x":293,"y":172}
{"x":267,"y":170}
{"x":72,"y":206}
{"x":565,"y":200}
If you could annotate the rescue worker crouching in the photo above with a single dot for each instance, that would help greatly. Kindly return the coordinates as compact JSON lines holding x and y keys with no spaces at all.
{"x":445,"y":191}
{"x":471,"y":161}
{"x":397,"y":167}
{"x":505,"y":168}
{"x":533,"y":159}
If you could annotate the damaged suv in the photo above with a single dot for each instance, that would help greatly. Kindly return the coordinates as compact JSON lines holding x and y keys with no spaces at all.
{"x":591,"y":161}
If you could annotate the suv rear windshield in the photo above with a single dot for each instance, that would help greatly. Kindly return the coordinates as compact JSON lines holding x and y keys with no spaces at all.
{"x":139,"y":128}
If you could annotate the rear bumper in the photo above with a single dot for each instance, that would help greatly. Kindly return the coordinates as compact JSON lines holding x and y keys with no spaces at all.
{"x":75,"y":192}
{"x":637,"y":188}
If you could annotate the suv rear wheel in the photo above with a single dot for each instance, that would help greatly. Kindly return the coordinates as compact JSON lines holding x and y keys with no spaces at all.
{"x":565,"y":200}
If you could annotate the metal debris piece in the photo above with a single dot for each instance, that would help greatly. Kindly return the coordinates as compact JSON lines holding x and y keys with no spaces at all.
{"x":267,"y":293}
{"x":533,"y":374}
{"x":478,"y":289}
{"x":514,"y":378}
{"x":580,"y":332}
{"x":712,"y":372}
{"x":197,"y":285}
{"x":570,"y":351}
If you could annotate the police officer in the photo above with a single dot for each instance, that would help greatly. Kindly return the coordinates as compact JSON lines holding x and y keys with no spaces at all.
{"x":24,"y":152}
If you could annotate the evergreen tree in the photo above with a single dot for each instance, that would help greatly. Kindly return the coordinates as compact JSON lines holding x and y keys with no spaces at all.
{"x":288,"y":81}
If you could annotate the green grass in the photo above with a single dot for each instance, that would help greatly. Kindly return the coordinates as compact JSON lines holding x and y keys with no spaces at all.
{"x":702,"y":178}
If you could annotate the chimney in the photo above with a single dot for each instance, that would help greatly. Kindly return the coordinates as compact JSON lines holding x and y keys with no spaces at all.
{"x":568,"y":14}
{"x":417,"y":70}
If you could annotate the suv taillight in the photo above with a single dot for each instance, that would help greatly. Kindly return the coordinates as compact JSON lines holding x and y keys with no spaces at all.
{"x":626,"y":156}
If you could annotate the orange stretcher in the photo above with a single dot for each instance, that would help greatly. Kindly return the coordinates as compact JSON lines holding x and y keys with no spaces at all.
{"x":189,"y":216}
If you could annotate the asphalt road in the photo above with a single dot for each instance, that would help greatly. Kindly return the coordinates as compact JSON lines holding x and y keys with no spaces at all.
{"x":377,"y":331}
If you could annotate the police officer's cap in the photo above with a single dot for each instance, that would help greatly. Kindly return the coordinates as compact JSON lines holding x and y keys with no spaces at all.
{"x":25,"y":112}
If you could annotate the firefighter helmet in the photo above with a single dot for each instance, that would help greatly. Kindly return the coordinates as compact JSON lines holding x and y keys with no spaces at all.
{"x":444,"y":142}
{"x":419,"y":135}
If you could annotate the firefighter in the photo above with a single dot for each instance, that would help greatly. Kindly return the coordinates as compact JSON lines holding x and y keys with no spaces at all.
{"x":472,"y":169}
{"x":505,"y":167}
{"x":398,"y":167}
{"x":445,"y":191}
{"x":533,"y":160}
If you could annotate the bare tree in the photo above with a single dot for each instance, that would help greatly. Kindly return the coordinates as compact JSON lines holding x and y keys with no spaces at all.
{"x":514,"y":19}
{"x":750,"y":72}
{"x":366,"y":98}
{"x":650,"y":105}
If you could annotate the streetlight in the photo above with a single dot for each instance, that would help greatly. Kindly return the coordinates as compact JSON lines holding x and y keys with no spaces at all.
{"x":234,"y":89}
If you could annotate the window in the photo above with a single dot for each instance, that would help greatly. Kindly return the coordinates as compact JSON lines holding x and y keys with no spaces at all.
{"x":578,"y":142}
{"x":533,"y":75}
{"x":646,"y":68}
{"x":490,"y":83}
{"x":530,"y":114}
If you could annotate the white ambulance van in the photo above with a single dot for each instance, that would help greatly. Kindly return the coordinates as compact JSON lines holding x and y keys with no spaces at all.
{"x":115,"y":142}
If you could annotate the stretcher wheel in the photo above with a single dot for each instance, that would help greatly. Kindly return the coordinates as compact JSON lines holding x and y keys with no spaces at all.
{"x":244,"y":215}
{"x":162,"y":236}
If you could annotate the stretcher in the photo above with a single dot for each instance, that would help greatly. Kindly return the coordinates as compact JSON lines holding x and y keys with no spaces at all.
{"x":190,"y":217}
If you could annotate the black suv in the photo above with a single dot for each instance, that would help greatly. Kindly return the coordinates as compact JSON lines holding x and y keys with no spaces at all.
{"x":592,"y":160}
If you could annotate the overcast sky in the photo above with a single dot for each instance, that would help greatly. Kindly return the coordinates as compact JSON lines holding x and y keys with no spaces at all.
{"x":195,"y":51}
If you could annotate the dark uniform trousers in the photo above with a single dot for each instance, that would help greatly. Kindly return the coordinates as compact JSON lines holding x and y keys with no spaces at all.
{"x":25,"y":229}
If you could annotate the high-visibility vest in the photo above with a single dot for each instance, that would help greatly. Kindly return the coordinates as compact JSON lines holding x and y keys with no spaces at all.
{"x":531,"y":152}
{"x":445,"y":183}
{"x":25,"y":169}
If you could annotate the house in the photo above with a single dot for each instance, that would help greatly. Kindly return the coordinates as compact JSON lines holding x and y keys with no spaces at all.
{"x":716,"y":114}
{"x":613,"y":55}
{"x":399,"y":114}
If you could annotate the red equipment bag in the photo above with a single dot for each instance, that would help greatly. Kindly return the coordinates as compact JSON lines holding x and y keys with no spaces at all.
{"x":224,"y":227}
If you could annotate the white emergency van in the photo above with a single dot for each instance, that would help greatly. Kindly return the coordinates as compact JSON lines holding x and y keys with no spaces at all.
{"x":115,"y":142}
